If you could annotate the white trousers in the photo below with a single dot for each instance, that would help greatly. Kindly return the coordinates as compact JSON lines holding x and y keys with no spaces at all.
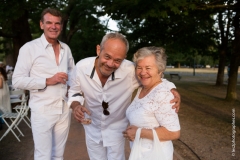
{"x":50,"y":134}
{"x":98,"y":152}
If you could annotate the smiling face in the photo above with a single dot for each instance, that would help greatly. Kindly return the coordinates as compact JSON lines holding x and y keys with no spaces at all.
{"x":110,"y":57}
{"x":147,"y":71}
{"x":52,"y":27}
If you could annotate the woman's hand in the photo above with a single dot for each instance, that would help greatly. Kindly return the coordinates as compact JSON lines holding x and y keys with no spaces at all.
{"x":130,"y":132}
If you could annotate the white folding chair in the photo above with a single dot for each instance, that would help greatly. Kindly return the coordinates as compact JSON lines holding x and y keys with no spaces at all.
{"x":17,"y":99}
{"x":24,"y":115}
{"x":14,"y":117}
{"x":17,"y":95}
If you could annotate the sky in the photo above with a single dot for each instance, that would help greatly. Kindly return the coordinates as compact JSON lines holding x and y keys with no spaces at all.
{"x":111,"y":24}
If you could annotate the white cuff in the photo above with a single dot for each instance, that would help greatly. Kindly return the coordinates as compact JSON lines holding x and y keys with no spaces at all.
{"x":79,"y":99}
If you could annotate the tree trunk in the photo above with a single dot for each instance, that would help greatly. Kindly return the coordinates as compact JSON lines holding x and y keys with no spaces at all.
{"x":21,"y":30}
{"x":66,"y":14}
{"x":232,"y":81}
{"x":224,"y":32}
{"x":235,"y":59}
{"x":178,"y":65}
{"x":221,"y":67}
{"x":63,"y":36}
{"x":9,"y":53}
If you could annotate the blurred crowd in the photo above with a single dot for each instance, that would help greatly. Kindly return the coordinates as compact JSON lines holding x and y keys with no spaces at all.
{"x":6,"y":72}
{"x":9,"y":72}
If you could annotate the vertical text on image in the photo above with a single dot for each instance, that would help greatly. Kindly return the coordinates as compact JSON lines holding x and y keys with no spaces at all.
{"x":233,"y":132}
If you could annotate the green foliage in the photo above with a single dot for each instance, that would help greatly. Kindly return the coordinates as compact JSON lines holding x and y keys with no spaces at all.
{"x":83,"y":30}
{"x":177,"y":25}
{"x":13,"y":9}
{"x":180,"y":26}
{"x":81,"y":19}
{"x":84,"y":42}
{"x":2,"y":56}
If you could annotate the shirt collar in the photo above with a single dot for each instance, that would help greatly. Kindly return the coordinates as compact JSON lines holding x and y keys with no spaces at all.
{"x":46,"y":43}
{"x":91,"y":71}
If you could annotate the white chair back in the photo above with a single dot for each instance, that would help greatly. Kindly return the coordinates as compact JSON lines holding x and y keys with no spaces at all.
{"x":15,"y":118}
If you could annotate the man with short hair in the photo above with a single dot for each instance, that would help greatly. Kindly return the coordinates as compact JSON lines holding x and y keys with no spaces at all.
{"x":43,"y":67}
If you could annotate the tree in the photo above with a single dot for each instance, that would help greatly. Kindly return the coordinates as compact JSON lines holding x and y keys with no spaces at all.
{"x":235,"y":57}
{"x":171,"y":24}
{"x":223,"y":38}
{"x":14,"y":22}
{"x":82,"y":29}
{"x":184,"y":26}
{"x":20,"y":24}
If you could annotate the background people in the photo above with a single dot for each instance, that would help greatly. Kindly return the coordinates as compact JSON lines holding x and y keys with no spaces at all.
{"x":151,"y":107}
{"x":45,"y":74}
{"x":5,"y":105}
{"x":107,"y":82}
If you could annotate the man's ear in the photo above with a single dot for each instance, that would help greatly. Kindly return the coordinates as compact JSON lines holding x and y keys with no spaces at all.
{"x":41,"y":24}
{"x":98,"y":49}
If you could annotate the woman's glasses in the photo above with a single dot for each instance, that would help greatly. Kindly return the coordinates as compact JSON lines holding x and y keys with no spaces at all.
{"x":105,"y":107}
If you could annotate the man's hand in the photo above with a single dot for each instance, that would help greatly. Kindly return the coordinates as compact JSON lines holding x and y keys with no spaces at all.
{"x":176,"y":100}
{"x":78,"y":111}
{"x":59,"y":77}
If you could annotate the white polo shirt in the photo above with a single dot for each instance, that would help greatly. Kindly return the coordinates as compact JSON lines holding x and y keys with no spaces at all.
{"x":117,"y":92}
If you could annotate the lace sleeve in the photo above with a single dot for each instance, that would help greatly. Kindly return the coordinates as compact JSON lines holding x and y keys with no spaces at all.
{"x":165,"y":115}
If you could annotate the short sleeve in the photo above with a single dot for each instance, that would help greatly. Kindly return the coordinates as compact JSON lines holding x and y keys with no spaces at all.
{"x":165,"y":115}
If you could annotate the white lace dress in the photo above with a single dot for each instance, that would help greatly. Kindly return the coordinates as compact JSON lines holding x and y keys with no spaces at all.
{"x":5,"y":105}
{"x":152,"y":111}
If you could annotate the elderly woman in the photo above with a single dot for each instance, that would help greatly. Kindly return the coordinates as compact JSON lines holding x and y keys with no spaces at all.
{"x":151,"y":108}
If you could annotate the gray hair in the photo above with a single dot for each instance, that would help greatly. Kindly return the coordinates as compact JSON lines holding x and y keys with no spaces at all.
{"x":158,"y":52}
{"x":115,"y":35}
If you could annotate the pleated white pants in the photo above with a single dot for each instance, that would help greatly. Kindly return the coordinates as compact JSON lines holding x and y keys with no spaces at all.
{"x":98,"y":152}
{"x":50,"y":132}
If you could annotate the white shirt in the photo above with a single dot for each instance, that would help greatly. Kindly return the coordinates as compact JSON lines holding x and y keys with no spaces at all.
{"x":152,"y":111}
{"x":117,"y":91}
{"x":36,"y":62}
